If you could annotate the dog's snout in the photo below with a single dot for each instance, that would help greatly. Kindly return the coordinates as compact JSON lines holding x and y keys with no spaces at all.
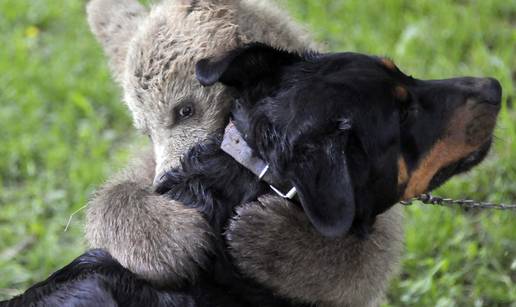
{"x":484,"y":90}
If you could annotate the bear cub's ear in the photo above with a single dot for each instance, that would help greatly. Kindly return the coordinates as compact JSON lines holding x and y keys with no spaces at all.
{"x":114,"y":22}
{"x":244,"y":67}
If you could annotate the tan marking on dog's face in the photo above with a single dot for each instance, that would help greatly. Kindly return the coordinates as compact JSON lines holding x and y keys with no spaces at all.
{"x":442,"y":154}
{"x":388,"y":63}
{"x":403,"y":175}
{"x":455,"y":145}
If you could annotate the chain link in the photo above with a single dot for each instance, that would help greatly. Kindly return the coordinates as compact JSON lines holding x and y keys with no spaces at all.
{"x":429,"y":199}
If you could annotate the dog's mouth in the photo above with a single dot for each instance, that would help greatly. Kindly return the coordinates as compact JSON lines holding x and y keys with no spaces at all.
{"x":476,"y":132}
{"x":461,"y":166}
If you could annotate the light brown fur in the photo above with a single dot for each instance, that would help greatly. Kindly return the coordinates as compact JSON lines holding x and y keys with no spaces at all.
{"x":274,"y":242}
{"x":152,"y":56}
{"x":156,"y":237}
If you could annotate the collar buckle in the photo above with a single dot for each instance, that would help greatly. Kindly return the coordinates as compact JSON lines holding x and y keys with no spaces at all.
{"x":289,"y":195}
{"x":235,"y":146}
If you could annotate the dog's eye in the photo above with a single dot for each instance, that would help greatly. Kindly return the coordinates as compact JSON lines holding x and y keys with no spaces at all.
{"x":404,"y":114}
{"x":185,"y":111}
{"x":408,"y":112}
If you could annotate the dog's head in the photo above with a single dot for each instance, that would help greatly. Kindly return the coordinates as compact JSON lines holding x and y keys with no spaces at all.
{"x":351,"y":132}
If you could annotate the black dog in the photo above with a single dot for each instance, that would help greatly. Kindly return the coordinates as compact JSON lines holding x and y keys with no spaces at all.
{"x":352,"y":134}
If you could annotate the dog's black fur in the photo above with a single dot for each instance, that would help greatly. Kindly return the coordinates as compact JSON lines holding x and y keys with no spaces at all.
{"x":351,"y":132}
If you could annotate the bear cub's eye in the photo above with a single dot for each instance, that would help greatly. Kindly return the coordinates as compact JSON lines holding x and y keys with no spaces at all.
{"x":185,"y":111}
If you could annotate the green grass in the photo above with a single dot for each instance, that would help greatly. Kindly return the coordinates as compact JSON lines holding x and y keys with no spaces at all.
{"x":63,"y":131}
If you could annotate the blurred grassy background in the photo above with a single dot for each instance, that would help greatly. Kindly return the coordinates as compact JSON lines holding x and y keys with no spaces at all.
{"x":63,"y":131}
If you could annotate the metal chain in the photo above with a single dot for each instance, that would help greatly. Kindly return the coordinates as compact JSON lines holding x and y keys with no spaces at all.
{"x":429,"y":199}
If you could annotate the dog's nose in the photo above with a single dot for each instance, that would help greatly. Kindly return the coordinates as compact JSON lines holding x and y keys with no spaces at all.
{"x":482,"y":90}
{"x":489,"y":91}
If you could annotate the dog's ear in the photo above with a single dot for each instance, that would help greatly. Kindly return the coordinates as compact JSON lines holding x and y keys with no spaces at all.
{"x":325,"y":188}
{"x":244,"y":67}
